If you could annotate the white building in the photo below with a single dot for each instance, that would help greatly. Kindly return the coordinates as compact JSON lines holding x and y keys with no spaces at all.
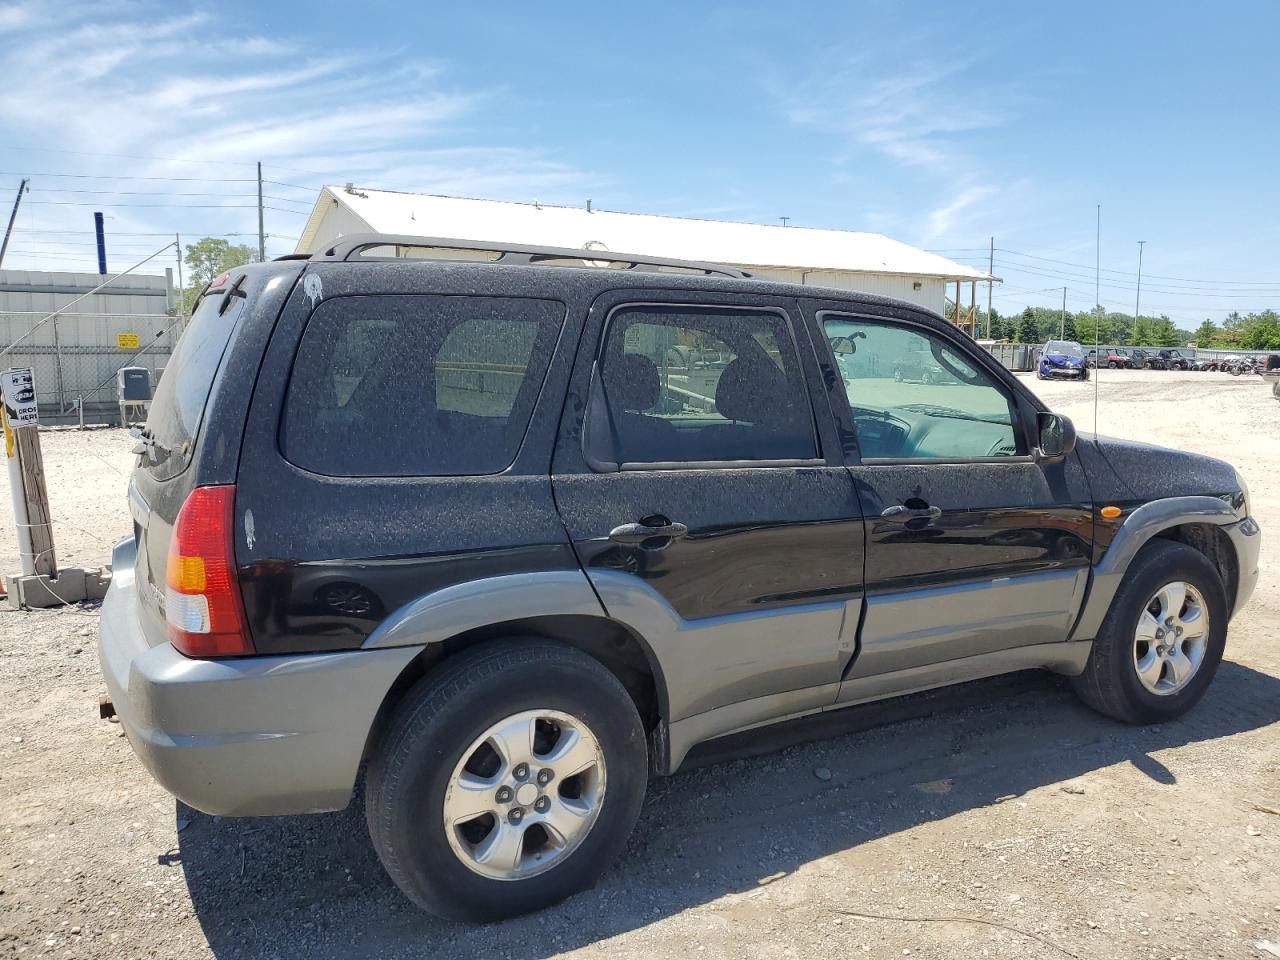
{"x":868,"y":262}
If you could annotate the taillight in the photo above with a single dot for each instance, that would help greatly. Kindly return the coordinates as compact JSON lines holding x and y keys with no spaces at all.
{"x":202,"y":602}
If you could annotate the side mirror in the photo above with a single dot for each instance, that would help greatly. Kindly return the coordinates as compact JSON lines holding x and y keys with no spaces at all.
{"x":1057,"y":435}
{"x":843,"y":346}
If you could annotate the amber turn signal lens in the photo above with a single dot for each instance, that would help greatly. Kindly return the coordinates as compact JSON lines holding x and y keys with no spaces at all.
{"x":1110,"y":512}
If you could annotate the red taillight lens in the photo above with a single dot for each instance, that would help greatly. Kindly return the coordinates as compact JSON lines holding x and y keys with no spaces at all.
{"x":202,"y":602}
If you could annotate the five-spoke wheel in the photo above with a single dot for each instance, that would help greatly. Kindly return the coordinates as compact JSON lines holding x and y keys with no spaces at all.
{"x":524,"y":794}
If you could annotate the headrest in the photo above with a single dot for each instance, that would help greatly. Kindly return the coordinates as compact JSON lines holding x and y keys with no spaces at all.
{"x":752,"y":390}
{"x":633,"y":383}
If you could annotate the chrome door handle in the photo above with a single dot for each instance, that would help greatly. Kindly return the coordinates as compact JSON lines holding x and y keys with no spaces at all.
{"x":640,"y":532}
{"x":902,"y":514}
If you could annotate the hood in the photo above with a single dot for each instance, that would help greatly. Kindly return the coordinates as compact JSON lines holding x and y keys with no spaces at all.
{"x":1063,"y":360}
{"x":1145,"y":472}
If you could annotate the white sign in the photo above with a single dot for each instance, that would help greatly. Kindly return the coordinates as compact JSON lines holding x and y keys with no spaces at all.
{"x":19,"y":397}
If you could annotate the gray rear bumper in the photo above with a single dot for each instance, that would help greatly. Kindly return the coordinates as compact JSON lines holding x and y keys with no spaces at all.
{"x":242,"y":737}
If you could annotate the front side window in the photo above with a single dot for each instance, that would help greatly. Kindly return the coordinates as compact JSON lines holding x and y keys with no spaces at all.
{"x":696,"y":384}
{"x":914,"y":396}
{"x":402,"y":386}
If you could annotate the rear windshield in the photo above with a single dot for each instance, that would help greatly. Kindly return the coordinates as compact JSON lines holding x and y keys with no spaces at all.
{"x":178,"y":406}
{"x":402,"y":386}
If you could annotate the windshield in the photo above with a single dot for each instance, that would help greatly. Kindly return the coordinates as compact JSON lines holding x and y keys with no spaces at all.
{"x":1065,"y":347}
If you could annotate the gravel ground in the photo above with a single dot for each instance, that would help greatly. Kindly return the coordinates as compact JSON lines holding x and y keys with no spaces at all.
{"x":929,"y":827}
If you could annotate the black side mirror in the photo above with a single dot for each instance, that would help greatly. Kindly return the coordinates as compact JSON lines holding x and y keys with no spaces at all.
{"x":1057,"y":435}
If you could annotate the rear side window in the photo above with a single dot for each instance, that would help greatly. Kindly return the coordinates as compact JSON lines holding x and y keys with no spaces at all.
{"x":177,"y":409}
{"x":415,"y":386}
{"x":687,"y":384}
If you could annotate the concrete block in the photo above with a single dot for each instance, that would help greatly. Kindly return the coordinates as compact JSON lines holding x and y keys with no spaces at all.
{"x":96,"y":583}
{"x":40,"y":591}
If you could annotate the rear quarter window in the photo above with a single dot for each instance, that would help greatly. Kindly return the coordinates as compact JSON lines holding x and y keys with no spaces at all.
{"x":400,"y":386}
{"x":177,"y":409}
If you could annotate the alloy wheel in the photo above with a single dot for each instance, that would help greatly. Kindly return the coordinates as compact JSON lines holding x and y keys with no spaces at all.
{"x":524,"y":795}
{"x":1171,"y":638}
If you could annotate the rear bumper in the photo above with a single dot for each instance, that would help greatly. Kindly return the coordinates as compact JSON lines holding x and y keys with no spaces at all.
{"x":242,"y":737}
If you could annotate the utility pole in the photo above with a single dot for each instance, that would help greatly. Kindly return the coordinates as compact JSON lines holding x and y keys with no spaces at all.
{"x":1062,"y":323}
{"x":262,"y":236}
{"x":12,"y":217}
{"x":991,"y":272}
{"x":784,"y":220}
{"x":1097,"y":262}
{"x":1137,"y":303}
{"x":182,"y":289}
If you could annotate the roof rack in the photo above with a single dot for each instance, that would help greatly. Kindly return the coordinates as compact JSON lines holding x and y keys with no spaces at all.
{"x":356,"y":247}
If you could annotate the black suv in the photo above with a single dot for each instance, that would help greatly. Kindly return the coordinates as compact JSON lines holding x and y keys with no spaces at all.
{"x":516,"y":535}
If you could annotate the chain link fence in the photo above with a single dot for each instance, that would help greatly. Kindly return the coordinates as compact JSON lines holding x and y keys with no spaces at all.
{"x":74,"y":362}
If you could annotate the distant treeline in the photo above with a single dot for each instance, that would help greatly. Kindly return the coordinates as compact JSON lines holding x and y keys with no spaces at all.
{"x":1254,"y":331}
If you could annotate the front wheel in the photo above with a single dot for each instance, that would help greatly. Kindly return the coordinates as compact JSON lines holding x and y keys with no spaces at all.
{"x":1162,"y":639}
{"x":507,"y":780}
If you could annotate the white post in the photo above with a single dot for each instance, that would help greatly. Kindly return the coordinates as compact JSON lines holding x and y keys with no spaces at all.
{"x":26,"y":553}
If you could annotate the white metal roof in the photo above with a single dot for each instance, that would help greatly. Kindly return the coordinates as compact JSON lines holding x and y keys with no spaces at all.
{"x":719,"y":241}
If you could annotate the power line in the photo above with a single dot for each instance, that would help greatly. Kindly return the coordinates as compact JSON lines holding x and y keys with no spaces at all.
{"x":1129,"y":273}
{"x":1213,"y":293}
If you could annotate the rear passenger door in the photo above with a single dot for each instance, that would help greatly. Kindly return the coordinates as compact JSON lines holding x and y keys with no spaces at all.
{"x":398,"y":442}
{"x":705,"y":501}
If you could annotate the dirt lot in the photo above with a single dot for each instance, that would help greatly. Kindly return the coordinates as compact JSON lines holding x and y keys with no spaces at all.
{"x":1000,"y":805}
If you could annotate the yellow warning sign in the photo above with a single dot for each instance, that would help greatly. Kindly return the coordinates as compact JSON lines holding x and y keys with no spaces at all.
{"x":127,"y":341}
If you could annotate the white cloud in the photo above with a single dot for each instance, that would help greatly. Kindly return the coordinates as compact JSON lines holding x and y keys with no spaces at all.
{"x":132,"y":81}
{"x":920,"y":115}
{"x":942,"y":220}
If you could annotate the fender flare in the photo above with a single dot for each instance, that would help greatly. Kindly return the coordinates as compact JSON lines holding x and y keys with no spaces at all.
{"x":445,"y":613}
{"x":1137,"y":530}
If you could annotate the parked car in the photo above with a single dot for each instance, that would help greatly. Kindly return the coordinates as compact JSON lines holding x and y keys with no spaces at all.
{"x":1118,"y":358}
{"x":1174,"y":359}
{"x":459,"y":525}
{"x":1146,"y":359}
{"x":1062,"y":360}
{"x":920,"y":365}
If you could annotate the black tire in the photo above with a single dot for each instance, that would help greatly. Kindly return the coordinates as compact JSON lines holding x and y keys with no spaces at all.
{"x":1111,"y":364}
{"x":441,"y":717}
{"x":1110,"y":681}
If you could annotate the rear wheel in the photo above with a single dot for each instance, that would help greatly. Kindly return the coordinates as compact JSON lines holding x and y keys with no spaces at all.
{"x":1162,"y":639}
{"x":507,"y":780}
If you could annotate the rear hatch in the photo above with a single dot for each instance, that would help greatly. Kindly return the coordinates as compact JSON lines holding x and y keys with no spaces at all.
{"x":215,"y":362}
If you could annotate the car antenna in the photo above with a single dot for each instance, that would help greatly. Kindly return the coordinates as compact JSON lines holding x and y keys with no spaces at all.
{"x":1097,"y":318}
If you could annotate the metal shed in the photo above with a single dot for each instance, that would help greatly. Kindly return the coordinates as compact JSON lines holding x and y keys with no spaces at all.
{"x":76,"y":354}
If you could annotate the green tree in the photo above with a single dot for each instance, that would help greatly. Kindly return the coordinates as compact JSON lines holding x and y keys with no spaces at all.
{"x":1142,"y":334}
{"x":1069,"y":329}
{"x":1164,"y":334}
{"x":209,"y":258}
{"x":1095,"y":327}
{"x":1028,"y":329}
{"x":1261,"y":331}
{"x":1205,"y":334}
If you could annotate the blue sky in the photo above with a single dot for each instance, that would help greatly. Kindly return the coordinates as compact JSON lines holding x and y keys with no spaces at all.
{"x":939,"y":124}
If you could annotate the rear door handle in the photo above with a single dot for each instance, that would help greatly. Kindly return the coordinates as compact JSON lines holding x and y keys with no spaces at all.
{"x":640,"y":532}
{"x":901,"y":513}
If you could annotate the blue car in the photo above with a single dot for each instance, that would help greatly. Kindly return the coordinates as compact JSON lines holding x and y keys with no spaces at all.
{"x":1062,"y":360}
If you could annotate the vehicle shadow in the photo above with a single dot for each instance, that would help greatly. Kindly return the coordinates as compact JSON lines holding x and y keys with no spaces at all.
{"x":312,"y":887}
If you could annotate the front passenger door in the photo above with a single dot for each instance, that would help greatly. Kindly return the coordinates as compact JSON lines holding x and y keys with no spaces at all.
{"x":973,"y":544}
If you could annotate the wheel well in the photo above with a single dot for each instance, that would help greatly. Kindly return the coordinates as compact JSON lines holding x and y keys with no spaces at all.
{"x":1209,"y":539}
{"x":608,"y":641}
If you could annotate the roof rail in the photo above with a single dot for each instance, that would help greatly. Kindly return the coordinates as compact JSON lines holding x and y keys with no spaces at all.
{"x":447,"y":249}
